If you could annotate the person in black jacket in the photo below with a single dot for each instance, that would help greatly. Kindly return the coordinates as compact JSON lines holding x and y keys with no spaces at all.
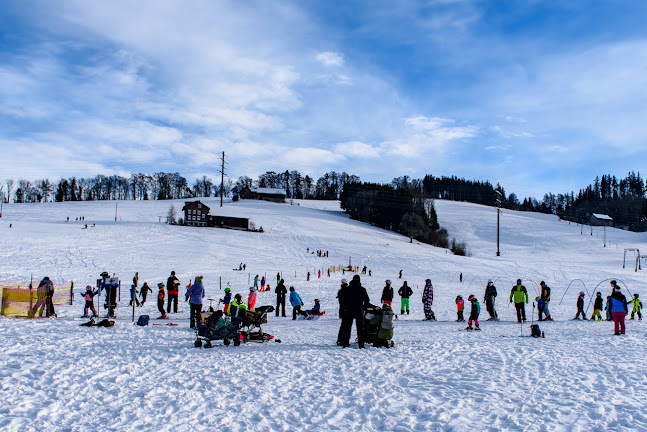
{"x":404,"y":292}
{"x":280,"y":291}
{"x":387,"y":293}
{"x":489,"y":298}
{"x":353,"y":300}
{"x":340,"y":295}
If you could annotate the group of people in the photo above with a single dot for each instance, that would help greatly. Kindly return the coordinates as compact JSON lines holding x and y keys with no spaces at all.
{"x":616,"y":308}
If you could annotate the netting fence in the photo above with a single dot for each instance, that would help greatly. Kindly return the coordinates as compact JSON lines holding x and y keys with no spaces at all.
{"x":23,"y":300}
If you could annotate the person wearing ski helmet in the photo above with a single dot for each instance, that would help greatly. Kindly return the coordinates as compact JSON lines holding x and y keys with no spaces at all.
{"x":489,"y":298}
{"x":519,"y":294}
{"x":545,"y":296}
{"x":580,"y":306}
{"x":597,"y":307}
{"x":226,"y":300}
{"x":460,"y":307}
{"x":637,"y":306}
{"x":618,"y":311}
{"x":387,"y":293}
{"x":474,"y":313}
{"x":428,"y":300}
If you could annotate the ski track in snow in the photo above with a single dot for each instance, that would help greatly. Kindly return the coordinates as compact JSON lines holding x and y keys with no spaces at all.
{"x":57,"y":376}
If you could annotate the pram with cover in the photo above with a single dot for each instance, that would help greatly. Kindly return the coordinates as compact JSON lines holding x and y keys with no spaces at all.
{"x":207,"y":332}
{"x":251,"y":322}
{"x":372,"y":329}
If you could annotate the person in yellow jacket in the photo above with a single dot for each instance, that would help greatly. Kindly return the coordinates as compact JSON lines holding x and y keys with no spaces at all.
{"x":637,"y":306}
{"x":519,"y":294}
{"x":237,"y":305}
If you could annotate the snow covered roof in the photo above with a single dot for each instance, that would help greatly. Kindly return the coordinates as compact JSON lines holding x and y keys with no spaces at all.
{"x":602,"y":216}
{"x":270,"y":191}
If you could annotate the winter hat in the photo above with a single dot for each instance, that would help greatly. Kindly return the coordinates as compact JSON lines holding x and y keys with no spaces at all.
{"x":252,"y":289}
{"x":537,"y":298}
{"x":227,"y":289}
{"x":88,"y":288}
{"x":518,"y":281}
{"x":613,"y":282}
{"x":291,"y":288}
{"x":599,"y":294}
{"x":160,"y":285}
{"x":428,"y":280}
{"x":459,"y":297}
{"x":581,"y":293}
{"x":542,"y":283}
{"x":317,"y":300}
{"x":388,"y":281}
{"x":344,"y":280}
{"x":489,"y":281}
{"x":105,"y":274}
{"x":198,"y":279}
{"x":471,"y":297}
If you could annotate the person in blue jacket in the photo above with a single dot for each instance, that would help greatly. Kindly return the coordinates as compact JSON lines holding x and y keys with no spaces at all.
{"x":296,"y":302}
{"x":618,"y":310}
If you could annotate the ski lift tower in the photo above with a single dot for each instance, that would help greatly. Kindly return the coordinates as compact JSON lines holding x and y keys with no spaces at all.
{"x":637,"y":251}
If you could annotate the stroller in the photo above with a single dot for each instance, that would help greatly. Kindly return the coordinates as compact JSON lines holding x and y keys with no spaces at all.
{"x":206,"y":331}
{"x":371,"y":330}
{"x":251,"y":322}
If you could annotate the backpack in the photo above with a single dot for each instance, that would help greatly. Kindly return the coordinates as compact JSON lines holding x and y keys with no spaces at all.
{"x":143,"y":320}
{"x":387,"y":321}
{"x":534,"y":330}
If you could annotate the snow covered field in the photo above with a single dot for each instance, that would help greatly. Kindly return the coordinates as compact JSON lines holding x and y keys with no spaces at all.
{"x":57,"y":376}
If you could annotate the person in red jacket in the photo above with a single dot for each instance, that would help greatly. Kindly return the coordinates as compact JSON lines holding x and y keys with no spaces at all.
{"x":173,"y":287}
{"x":160,"y":301}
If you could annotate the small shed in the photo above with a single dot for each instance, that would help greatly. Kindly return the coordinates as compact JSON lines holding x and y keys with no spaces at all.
{"x":598,"y":219}
{"x":271,"y":194}
{"x":247,"y":193}
{"x":195,"y":213}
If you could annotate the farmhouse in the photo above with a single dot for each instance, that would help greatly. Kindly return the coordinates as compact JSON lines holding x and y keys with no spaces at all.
{"x":195,"y":213}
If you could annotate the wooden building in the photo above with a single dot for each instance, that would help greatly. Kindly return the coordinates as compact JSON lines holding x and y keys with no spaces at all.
{"x":195,"y":213}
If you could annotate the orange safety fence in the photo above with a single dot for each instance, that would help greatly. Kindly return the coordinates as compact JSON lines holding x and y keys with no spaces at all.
{"x":19,"y":300}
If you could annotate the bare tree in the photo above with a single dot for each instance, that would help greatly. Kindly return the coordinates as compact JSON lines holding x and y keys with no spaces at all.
{"x":10,"y":184}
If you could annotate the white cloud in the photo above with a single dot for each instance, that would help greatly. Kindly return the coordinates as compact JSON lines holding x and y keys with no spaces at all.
{"x":329,"y":58}
{"x":357,"y":149}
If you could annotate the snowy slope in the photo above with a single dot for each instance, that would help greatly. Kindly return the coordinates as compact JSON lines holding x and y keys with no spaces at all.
{"x":56,"y":375}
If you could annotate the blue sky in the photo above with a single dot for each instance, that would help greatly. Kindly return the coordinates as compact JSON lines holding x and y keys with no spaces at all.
{"x":540,"y":96}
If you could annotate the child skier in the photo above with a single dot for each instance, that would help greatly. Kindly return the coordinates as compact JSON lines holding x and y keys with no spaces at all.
{"x":607,"y":308}
{"x":226,"y":300}
{"x":637,"y":306}
{"x":474,"y":313}
{"x":251,"y":298}
{"x":160,"y":301}
{"x":89,"y":302}
{"x":597,"y":307}
{"x":144,"y":293}
{"x":580,"y":306}
{"x":460,"y":307}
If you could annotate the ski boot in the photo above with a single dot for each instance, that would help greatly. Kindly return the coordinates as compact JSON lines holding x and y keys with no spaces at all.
{"x":469,"y":327}
{"x":477,"y":328}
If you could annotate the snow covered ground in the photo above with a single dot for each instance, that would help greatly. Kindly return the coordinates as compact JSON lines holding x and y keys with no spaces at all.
{"x":58,"y":376}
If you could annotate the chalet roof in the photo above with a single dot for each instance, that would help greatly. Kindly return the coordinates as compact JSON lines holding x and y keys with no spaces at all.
{"x":270,"y":191}
{"x":602,"y":216}
{"x":194,"y":204}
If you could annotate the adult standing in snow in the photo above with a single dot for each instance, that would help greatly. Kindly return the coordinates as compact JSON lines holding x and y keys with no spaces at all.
{"x":387,"y":293}
{"x":172,"y":286}
{"x":47,"y":286}
{"x":256,"y":281}
{"x":518,"y":293}
{"x":340,"y":295}
{"x":111,"y":294}
{"x":619,"y":310}
{"x":352,"y":301}
{"x":428,"y":300}
{"x":404,"y":292}
{"x":489,"y":299}
{"x":296,"y":302}
{"x":281,"y":292}
{"x":195,"y":293}
{"x":545,"y":296}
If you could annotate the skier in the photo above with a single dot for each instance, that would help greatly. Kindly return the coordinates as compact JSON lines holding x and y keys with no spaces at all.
{"x":618,"y":310}
{"x":387,"y":293}
{"x":195,"y":293}
{"x":597,"y":307}
{"x":404,"y":292}
{"x":226,"y":300}
{"x":172,"y":285}
{"x":296,"y":302}
{"x":428,"y":300}
{"x":545,"y":296}
{"x":308,"y":278}
{"x":400,"y":275}
{"x":385,"y":332}
{"x":460,"y":307}
{"x":251,"y":298}
{"x":474,"y":313}
{"x":352,"y":301}
{"x":144,"y":293}
{"x":637,"y":305}
{"x":89,"y":302}
{"x":518,"y":293}
{"x":280,"y":291}
{"x":160,"y":301}
{"x":489,"y":299}
{"x":580,"y":306}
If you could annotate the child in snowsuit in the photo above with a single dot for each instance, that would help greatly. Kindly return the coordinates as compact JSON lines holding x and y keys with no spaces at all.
{"x":263,"y":283}
{"x":133,"y":295}
{"x":460,"y":307}
{"x":404,"y":292}
{"x":637,"y":306}
{"x":144,"y":293}
{"x":251,"y":298}
{"x":474,"y":313}
{"x":428,"y":300}
{"x":597,"y":307}
{"x":580,"y":306}
{"x":607,"y":308}
{"x":315,"y":309}
{"x":226,"y":300}
{"x":89,"y":302}
{"x":160,"y":301}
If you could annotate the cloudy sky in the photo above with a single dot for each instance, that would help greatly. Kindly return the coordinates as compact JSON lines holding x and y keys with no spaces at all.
{"x":540,"y":96}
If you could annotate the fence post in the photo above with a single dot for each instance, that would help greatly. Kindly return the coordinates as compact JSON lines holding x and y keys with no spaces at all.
{"x":72,"y":293}
{"x":119,"y":287}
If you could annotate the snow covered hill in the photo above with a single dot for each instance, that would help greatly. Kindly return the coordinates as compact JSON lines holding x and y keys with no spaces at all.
{"x":56,"y":375}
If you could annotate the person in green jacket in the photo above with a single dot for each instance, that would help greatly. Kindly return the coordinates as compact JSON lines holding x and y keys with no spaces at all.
{"x":637,"y":306}
{"x":519,"y":294}
{"x":385,"y":333}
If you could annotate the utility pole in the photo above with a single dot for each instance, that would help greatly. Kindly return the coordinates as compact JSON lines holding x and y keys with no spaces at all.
{"x":116,"y":212}
{"x":222,"y":178}
{"x":499,"y":199}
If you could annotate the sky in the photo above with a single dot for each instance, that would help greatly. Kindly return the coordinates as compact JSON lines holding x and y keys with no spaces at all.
{"x":539,"y":96}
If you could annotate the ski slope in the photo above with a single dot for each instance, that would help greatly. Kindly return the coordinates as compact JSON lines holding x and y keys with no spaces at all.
{"x":58,"y":376}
